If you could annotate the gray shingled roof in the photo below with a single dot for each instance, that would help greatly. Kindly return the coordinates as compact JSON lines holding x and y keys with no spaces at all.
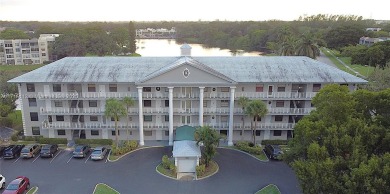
{"x":238,"y":69}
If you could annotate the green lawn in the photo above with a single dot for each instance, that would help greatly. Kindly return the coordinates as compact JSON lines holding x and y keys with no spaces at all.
{"x":104,"y":189}
{"x":166,"y":172}
{"x":19,"y":68}
{"x":16,"y":118}
{"x":269,"y":189}
{"x":32,"y":190}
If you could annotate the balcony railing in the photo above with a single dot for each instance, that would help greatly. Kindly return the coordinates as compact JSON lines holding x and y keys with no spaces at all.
{"x":290,"y":110}
{"x":279,"y":95}
{"x":85,"y":95}
{"x":59,"y":110}
{"x":153,"y":125}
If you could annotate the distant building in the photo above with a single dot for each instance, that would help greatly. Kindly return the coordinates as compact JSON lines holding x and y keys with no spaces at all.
{"x":156,"y":33}
{"x":67,"y":98}
{"x":373,"y":29}
{"x":26,"y":51}
{"x":370,"y":41}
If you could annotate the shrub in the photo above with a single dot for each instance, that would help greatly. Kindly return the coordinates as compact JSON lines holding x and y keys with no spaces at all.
{"x":94,"y":141}
{"x":274,"y":142}
{"x":32,"y":138}
{"x":126,"y":147}
{"x":200,"y":170}
{"x":172,"y":167}
{"x":246,"y":147}
{"x":45,"y":140}
{"x":251,"y":144}
{"x":131,"y":145}
{"x":165,"y":162}
{"x":6,"y":122}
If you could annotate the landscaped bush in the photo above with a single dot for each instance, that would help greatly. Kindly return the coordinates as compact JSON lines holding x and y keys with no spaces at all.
{"x":246,"y":147}
{"x":165,"y":162}
{"x":126,"y":147}
{"x":44,"y":140}
{"x":31,"y":138}
{"x":200,"y":170}
{"x":94,"y":141}
{"x":274,"y":142}
{"x":5,"y":122}
{"x":172,"y":167}
{"x":15,"y":135}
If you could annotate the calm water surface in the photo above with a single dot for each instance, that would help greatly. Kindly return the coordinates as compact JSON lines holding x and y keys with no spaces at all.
{"x":166,"y":47}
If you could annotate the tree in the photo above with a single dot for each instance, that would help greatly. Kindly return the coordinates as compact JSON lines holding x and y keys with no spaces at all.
{"x":210,"y":139}
{"x":344,"y":35}
{"x":256,"y":109}
{"x":288,"y":47}
{"x":128,"y":102}
{"x":71,"y":43}
{"x":132,"y":33}
{"x":379,"y":79}
{"x":9,"y":34}
{"x":243,"y":102}
{"x":115,"y":110}
{"x":8,"y":94}
{"x":307,"y":46}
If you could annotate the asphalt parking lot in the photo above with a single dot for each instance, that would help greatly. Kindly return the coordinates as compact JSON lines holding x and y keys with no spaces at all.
{"x":135,"y":173}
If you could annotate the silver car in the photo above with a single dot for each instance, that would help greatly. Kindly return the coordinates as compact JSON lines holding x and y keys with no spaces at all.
{"x":99,"y":153}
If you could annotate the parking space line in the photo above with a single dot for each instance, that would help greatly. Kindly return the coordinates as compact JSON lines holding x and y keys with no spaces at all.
{"x":55,"y":156}
{"x":87,"y":159}
{"x":17,"y":159}
{"x":36,"y":158}
{"x":69,"y":159}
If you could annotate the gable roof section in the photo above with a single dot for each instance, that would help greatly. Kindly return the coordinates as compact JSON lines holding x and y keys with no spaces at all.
{"x":186,"y":61}
{"x":186,"y":149}
{"x":233,"y":69}
{"x":185,"y":132}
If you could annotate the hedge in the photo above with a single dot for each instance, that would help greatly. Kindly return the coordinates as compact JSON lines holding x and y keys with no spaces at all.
{"x":246,"y":147}
{"x":44,"y":140}
{"x":94,"y":141}
{"x":31,"y":138}
{"x":274,"y":142}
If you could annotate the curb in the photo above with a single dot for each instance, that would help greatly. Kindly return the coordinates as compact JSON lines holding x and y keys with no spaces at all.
{"x":247,"y":153}
{"x":106,"y":186}
{"x":164,"y":174}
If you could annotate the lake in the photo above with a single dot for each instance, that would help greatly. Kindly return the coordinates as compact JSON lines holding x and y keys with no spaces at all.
{"x":169,"y":47}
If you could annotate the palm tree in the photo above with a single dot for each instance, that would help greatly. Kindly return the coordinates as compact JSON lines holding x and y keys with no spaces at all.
{"x":307,"y":46}
{"x":115,"y":109}
{"x":210,"y":139}
{"x":128,"y":102}
{"x":287,"y":47}
{"x":243,"y":102}
{"x":256,"y":109}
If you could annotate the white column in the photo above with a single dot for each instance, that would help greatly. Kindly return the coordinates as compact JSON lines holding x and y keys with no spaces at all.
{"x":231,"y":111}
{"x":141,"y":117}
{"x":201,"y":90}
{"x":170,"y":115}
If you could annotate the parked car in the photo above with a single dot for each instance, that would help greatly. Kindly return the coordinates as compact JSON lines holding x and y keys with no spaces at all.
{"x":98,"y":153}
{"x":273,"y":152}
{"x":12,"y":151}
{"x":81,"y":151}
{"x":49,"y":150}
{"x":2,"y":181}
{"x":18,"y":186}
{"x":2,"y":148}
{"x":30,"y":151}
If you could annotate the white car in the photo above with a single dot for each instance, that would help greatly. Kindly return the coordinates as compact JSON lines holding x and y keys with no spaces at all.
{"x":2,"y":181}
{"x":99,"y":153}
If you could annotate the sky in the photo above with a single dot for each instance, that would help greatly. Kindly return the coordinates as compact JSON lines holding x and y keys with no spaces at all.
{"x":181,"y":10}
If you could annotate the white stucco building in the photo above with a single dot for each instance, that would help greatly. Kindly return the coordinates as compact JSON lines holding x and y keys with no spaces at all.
{"x":67,"y":98}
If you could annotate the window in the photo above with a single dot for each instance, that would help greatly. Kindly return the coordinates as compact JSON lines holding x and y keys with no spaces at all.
{"x":35,"y":131}
{"x":56,"y":87}
{"x":113,"y":133}
{"x":60,"y":118}
{"x":166,"y":133}
{"x":281,"y":89}
{"x":148,"y":133}
{"x":259,"y":88}
{"x":147,"y":103}
{"x":130,"y":118}
{"x":277,"y":133}
{"x":166,"y":103}
{"x":224,"y":118}
{"x":32,"y":102}
{"x":258,"y":132}
{"x":279,"y":103}
{"x":91,"y":88}
{"x":242,"y":89}
{"x":146,"y":89}
{"x":316,"y":87}
{"x":30,"y":87}
{"x":113,"y":88}
{"x":93,"y":103}
{"x":43,"y":54}
{"x":258,"y":119}
{"x":166,"y":118}
{"x":224,"y":103}
{"x":61,"y":132}
{"x":148,"y":118}
{"x":279,"y":118}
{"x":225,"y":89}
{"x":94,"y":132}
{"x":57,"y":103}
{"x":34,"y":116}
{"x":113,"y":119}
{"x":93,"y":118}
{"x":204,"y":103}
{"x":129,"y":89}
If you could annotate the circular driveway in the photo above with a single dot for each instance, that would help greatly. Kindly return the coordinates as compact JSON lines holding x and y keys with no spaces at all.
{"x":135,"y":173}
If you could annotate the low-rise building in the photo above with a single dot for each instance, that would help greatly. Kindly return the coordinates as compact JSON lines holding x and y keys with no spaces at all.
{"x":67,"y":98}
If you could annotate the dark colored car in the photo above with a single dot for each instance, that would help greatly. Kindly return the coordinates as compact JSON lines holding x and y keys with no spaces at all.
{"x":18,"y":186}
{"x":273,"y":152}
{"x":49,"y":150}
{"x":12,"y":151}
{"x":81,"y":151}
{"x":2,"y":148}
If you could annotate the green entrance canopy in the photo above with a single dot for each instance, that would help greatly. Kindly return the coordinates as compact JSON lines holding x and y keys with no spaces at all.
{"x":185,"y":132}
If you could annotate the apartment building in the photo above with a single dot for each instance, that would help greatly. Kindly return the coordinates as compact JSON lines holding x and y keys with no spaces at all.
{"x":67,"y":98}
{"x":26,"y":51}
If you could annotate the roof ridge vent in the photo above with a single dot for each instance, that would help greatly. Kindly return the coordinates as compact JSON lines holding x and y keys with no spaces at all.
{"x":185,"y":50}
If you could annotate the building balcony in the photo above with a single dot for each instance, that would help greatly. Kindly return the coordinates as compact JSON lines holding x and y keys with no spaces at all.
{"x":276,"y":95}
{"x":292,"y":111}
{"x":86,"y":95}
{"x":71,"y":111}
